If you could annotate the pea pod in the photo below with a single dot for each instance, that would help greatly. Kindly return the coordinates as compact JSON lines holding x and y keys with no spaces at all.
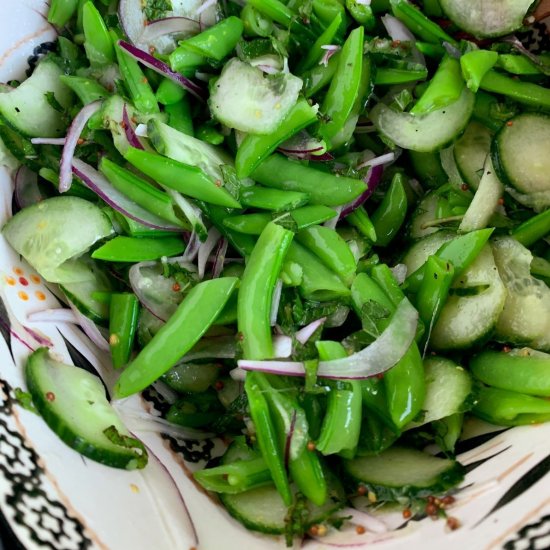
{"x":344,"y":88}
{"x":331,"y":249}
{"x":433,"y":292}
{"x":256,"y":148}
{"x":523,"y":92}
{"x":87,"y":89}
{"x":418,"y":23}
{"x":509,"y":408}
{"x":525,"y":371}
{"x":535,"y":228}
{"x":61,"y":11}
{"x":266,"y":436}
{"x":323,"y":188}
{"x":98,"y":43}
{"x":316,"y":52}
{"x":444,"y":88}
{"x":216,"y":42}
{"x":404,"y":383}
{"x":140,"y":191}
{"x":304,"y":465}
{"x":272,"y":199}
{"x":317,"y":282}
{"x":390,"y":215}
{"x":130,"y":249}
{"x":182,"y":331}
{"x":342,"y":422}
{"x":123,"y":320}
{"x":320,"y":76}
{"x":236,"y":477}
{"x":168,"y":92}
{"x":256,"y":291}
{"x":140,"y":90}
{"x":186,"y":179}
{"x":179,"y":116}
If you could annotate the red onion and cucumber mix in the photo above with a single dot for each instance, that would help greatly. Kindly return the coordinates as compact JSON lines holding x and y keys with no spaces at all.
{"x":318,"y":228}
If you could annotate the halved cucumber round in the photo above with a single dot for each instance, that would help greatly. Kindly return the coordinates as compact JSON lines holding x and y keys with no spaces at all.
{"x":262,"y":509}
{"x":487,"y":18}
{"x":485,"y":201}
{"x":51,"y":232}
{"x":448,"y":386}
{"x":470,"y":152}
{"x":472,"y":311}
{"x":401,"y":472}
{"x":81,"y":293}
{"x":27,"y":107}
{"x":73,"y":404}
{"x":425,"y":133}
{"x":525,"y":319}
{"x":521,"y":158}
{"x":426,"y":211}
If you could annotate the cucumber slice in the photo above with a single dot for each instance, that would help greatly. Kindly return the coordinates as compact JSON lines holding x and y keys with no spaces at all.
{"x":420,"y":251}
{"x":81,"y":294}
{"x":425,"y":133}
{"x":521,"y":158}
{"x":244,"y":99}
{"x":487,"y":18}
{"x":525,"y":319}
{"x":401,"y":472}
{"x":485,"y":201}
{"x":50,"y":233}
{"x":426,"y":211}
{"x":470,"y":152}
{"x":27,"y":107}
{"x":448,"y":386}
{"x":262,"y":509}
{"x":467,"y":320}
{"x":73,"y":404}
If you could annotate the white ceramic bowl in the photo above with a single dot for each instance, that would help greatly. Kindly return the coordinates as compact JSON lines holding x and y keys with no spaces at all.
{"x":52,"y":497}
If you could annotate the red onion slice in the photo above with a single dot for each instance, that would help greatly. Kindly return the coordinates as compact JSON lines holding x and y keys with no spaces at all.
{"x":372,"y":180}
{"x":48,"y":141}
{"x":303,"y":146}
{"x":206,"y":248}
{"x":129,"y":131}
{"x":71,"y":141}
{"x":376,"y":358}
{"x":192,"y":249}
{"x":163,"y":69}
{"x":26,"y":189}
{"x":100,"y":185}
{"x":90,"y":329}
{"x":330,"y":50}
{"x":58,"y":315}
{"x":304,"y":334}
{"x":381,"y":160}
{"x":275,"y":302}
{"x":205,"y":5}
{"x":399,"y":32}
{"x":282,"y":346}
{"x":219,"y":259}
{"x":170,"y":25}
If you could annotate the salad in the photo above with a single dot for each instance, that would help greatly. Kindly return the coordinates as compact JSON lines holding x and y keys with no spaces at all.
{"x":319,"y":228}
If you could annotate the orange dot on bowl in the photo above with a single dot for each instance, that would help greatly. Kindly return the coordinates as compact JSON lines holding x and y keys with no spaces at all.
{"x":11,"y":281}
{"x":23,"y":295}
{"x":18,"y":271}
{"x":35,"y":279}
{"x":40,"y":295}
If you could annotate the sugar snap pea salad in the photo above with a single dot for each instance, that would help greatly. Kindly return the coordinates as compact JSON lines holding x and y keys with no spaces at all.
{"x":319,"y":228}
